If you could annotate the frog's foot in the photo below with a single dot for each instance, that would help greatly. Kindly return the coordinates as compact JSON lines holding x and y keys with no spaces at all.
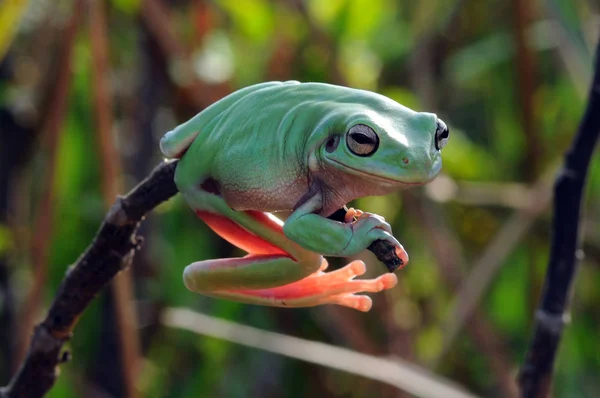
{"x":336,"y":287}
{"x":352,"y":214}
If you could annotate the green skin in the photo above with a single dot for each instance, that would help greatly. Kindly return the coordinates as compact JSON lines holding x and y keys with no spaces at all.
{"x":287,"y":147}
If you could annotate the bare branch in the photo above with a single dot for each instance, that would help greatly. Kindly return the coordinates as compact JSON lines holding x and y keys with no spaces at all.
{"x":121,"y":289}
{"x":110,"y":252}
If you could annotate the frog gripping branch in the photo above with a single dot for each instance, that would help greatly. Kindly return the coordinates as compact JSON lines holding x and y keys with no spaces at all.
{"x":308,"y":148}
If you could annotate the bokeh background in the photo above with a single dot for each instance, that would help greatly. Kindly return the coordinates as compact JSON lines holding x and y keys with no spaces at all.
{"x":87,"y":88}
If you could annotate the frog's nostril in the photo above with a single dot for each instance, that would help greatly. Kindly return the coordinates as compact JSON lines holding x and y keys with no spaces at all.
{"x":442,"y":134}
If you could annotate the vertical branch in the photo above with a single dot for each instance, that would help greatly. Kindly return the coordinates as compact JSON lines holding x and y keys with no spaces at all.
{"x":7,"y":315}
{"x":536,"y":374}
{"x":522,"y":18}
{"x":12,"y":158}
{"x":121,"y":287}
{"x":156,"y":17}
{"x":523,"y":15}
{"x":43,"y":224}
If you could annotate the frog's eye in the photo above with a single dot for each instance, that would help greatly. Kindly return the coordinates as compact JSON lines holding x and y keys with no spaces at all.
{"x":362,"y":140}
{"x":442,"y":134}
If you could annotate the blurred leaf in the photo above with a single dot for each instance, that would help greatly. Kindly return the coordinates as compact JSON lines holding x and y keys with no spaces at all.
{"x":480,"y":57}
{"x":326,"y":12}
{"x":254,"y":18}
{"x":402,"y":96}
{"x":465,"y":160}
{"x":507,"y":296}
{"x":11,"y":12}
{"x":64,"y":388}
{"x":6,"y":240}
{"x":363,"y":17}
{"x":429,"y":343}
{"x":127,"y":6}
{"x":360,"y":65}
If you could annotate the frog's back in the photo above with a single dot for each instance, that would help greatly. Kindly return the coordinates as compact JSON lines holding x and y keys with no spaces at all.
{"x":264,"y":104}
{"x":175,"y":142}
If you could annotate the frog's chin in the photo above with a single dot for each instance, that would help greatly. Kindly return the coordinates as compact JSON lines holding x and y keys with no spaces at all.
{"x":386,"y":180}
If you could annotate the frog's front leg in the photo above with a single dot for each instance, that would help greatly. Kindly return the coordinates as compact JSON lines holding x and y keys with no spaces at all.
{"x":278,"y":271}
{"x":358,"y":231}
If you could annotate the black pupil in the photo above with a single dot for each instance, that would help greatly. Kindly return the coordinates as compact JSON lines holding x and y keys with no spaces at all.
{"x":362,"y":138}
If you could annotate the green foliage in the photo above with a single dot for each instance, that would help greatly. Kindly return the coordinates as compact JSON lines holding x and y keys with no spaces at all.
{"x":469,"y":76}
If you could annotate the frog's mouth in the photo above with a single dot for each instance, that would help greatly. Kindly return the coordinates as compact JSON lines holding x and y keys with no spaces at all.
{"x":379,"y":177}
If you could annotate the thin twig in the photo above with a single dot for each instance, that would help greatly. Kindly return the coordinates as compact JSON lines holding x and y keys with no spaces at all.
{"x":571,"y":51}
{"x":449,"y":257}
{"x":44,"y":221}
{"x":110,"y":252}
{"x":523,"y":11}
{"x":536,"y":374}
{"x":512,"y":195}
{"x":403,"y":375}
{"x":121,"y":288}
{"x":489,"y":263}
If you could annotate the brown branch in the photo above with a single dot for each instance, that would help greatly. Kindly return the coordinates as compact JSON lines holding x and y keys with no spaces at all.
{"x":44,"y":221}
{"x":523,"y":11}
{"x":110,"y":252}
{"x":525,"y":68}
{"x":121,"y":288}
{"x":156,"y":19}
{"x":12,"y":159}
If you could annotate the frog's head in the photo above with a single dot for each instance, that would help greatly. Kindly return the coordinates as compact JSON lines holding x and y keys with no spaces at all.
{"x":389,"y":145}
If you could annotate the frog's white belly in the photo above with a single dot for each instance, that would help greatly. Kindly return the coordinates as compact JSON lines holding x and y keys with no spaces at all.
{"x":274,"y":197}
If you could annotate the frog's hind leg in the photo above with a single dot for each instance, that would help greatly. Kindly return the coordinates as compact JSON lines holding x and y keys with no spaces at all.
{"x":277,"y":272}
{"x":335,"y":287}
{"x":268,"y":263}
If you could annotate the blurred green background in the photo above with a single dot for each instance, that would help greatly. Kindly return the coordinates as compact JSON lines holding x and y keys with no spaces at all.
{"x":78,"y":124}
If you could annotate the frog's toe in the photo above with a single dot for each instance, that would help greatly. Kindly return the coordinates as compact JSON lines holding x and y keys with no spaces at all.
{"x":352,"y":215}
{"x":386,"y":281}
{"x":357,"y":302}
{"x":324,"y":265}
{"x":353,"y":269}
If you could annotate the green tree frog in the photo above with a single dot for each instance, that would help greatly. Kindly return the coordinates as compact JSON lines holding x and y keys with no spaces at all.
{"x":308,"y":148}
